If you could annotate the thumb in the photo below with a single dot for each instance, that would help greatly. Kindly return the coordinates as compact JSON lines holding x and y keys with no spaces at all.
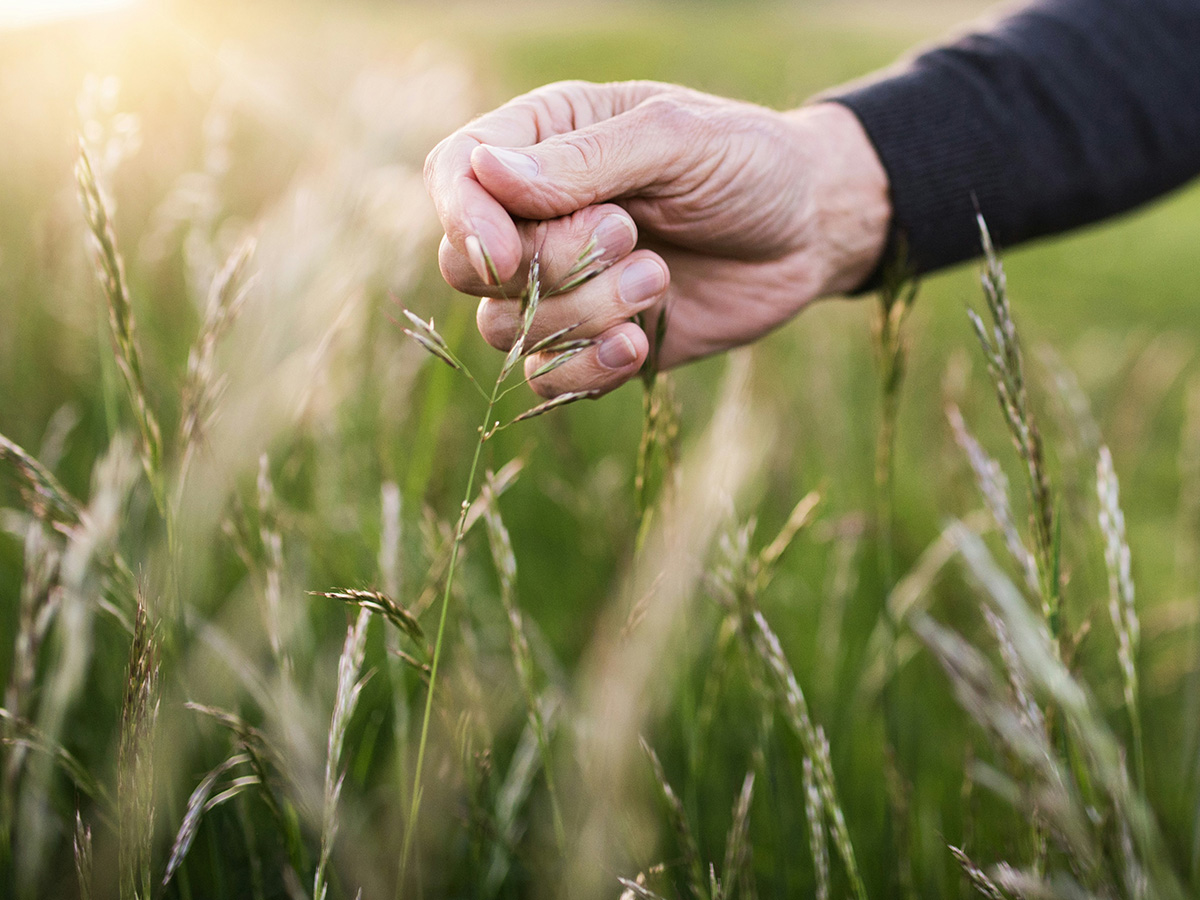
{"x":610,"y":159}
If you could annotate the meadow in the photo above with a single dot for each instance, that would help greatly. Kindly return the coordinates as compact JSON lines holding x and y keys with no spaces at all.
{"x":801,"y":621}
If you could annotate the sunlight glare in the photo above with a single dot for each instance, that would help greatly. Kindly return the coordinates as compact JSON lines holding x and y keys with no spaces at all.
{"x":18,"y":13}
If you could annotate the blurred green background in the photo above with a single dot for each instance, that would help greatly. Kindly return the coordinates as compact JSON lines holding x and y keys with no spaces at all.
{"x":303,"y":86}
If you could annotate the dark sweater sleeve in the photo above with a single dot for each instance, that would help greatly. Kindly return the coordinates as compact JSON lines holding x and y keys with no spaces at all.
{"x":1066,"y":112}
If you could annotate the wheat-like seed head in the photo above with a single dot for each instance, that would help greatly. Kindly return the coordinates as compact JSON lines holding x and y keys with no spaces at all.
{"x":814,"y":808}
{"x":380,"y":603}
{"x":1121,"y":605}
{"x":110,"y":268}
{"x":202,"y":386}
{"x":688,"y":846}
{"x":993,"y":484}
{"x":83,"y":857}
{"x":198,"y":804}
{"x":349,"y":687}
{"x":45,"y":497}
{"x":135,"y":784}
{"x":978,"y":878}
{"x":272,"y":545}
{"x":737,"y":843}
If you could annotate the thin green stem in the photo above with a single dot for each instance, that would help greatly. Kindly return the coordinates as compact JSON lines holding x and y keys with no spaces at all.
{"x":895,"y":302}
{"x":1139,"y":753}
{"x":459,"y":533}
{"x":560,"y":830}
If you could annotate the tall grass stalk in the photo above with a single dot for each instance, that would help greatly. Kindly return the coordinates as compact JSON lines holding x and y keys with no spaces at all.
{"x":506,"y":566}
{"x":391,"y":579}
{"x":814,"y":808}
{"x":812,"y":739}
{"x":742,"y":582}
{"x":412,"y":825}
{"x":1005,"y":362}
{"x":44,"y":495}
{"x":658,"y":451}
{"x":1121,"y":607}
{"x":273,"y":567}
{"x":135,"y":785}
{"x":689,"y":847}
{"x":737,"y":872}
{"x":1041,"y":568}
{"x":110,"y":268}
{"x":35,"y":618}
{"x":427,"y":336}
{"x":203,"y":387}
{"x":86,"y":558}
{"x":993,"y":485}
{"x":896,"y":298}
{"x":349,"y":687}
{"x":83,"y":857}
{"x":205,"y":798}
{"x":1084,"y":796}
{"x":264,"y":761}
{"x":23,"y":735}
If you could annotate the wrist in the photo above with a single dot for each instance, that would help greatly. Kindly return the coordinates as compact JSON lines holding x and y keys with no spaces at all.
{"x":850,"y":206}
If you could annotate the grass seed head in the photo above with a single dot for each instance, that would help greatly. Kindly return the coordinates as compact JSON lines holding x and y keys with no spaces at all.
{"x":83,"y":857}
{"x":380,"y":603}
{"x":110,"y":269}
{"x":555,"y":403}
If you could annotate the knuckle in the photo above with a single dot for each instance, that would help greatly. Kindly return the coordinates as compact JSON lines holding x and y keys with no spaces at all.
{"x":664,"y":108}
{"x":589,"y":149}
{"x":674,"y":115}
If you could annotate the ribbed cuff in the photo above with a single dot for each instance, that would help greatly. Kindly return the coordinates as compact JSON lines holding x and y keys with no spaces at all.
{"x":941,"y":159}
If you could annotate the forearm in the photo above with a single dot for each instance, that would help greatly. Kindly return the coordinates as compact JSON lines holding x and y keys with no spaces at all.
{"x":1068,"y":112}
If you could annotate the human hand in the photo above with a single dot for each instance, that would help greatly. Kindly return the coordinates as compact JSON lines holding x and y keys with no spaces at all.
{"x":732,"y":216}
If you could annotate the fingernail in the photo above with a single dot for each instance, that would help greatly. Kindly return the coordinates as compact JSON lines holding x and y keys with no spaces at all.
{"x":519,"y":163}
{"x":478,"y":261}
{"x":616,"y":352}
{"x":616,"y":236}
{"x":641,"y":281}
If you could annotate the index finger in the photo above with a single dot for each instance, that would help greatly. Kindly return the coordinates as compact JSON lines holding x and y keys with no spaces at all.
{"x":473,"y":220}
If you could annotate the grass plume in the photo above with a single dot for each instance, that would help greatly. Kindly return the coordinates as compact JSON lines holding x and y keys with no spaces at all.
{"x":1005,"y":362}
{"x":202,"y":386}
{"x":82,"y":845}
{"x":689,"y":848}
{"x":505,"y":561}
{"x":110,"y":269}
{"x":350,"y":683}
{"x":379,"y":603}
{"x":135,"y":794}
{"x":1121,"y":607}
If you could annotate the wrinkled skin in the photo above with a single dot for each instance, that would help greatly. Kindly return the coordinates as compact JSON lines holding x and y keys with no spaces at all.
{"x":732,"y":216}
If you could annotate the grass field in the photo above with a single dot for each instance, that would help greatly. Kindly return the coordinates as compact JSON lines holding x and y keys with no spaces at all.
{"x":158,"y":610}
